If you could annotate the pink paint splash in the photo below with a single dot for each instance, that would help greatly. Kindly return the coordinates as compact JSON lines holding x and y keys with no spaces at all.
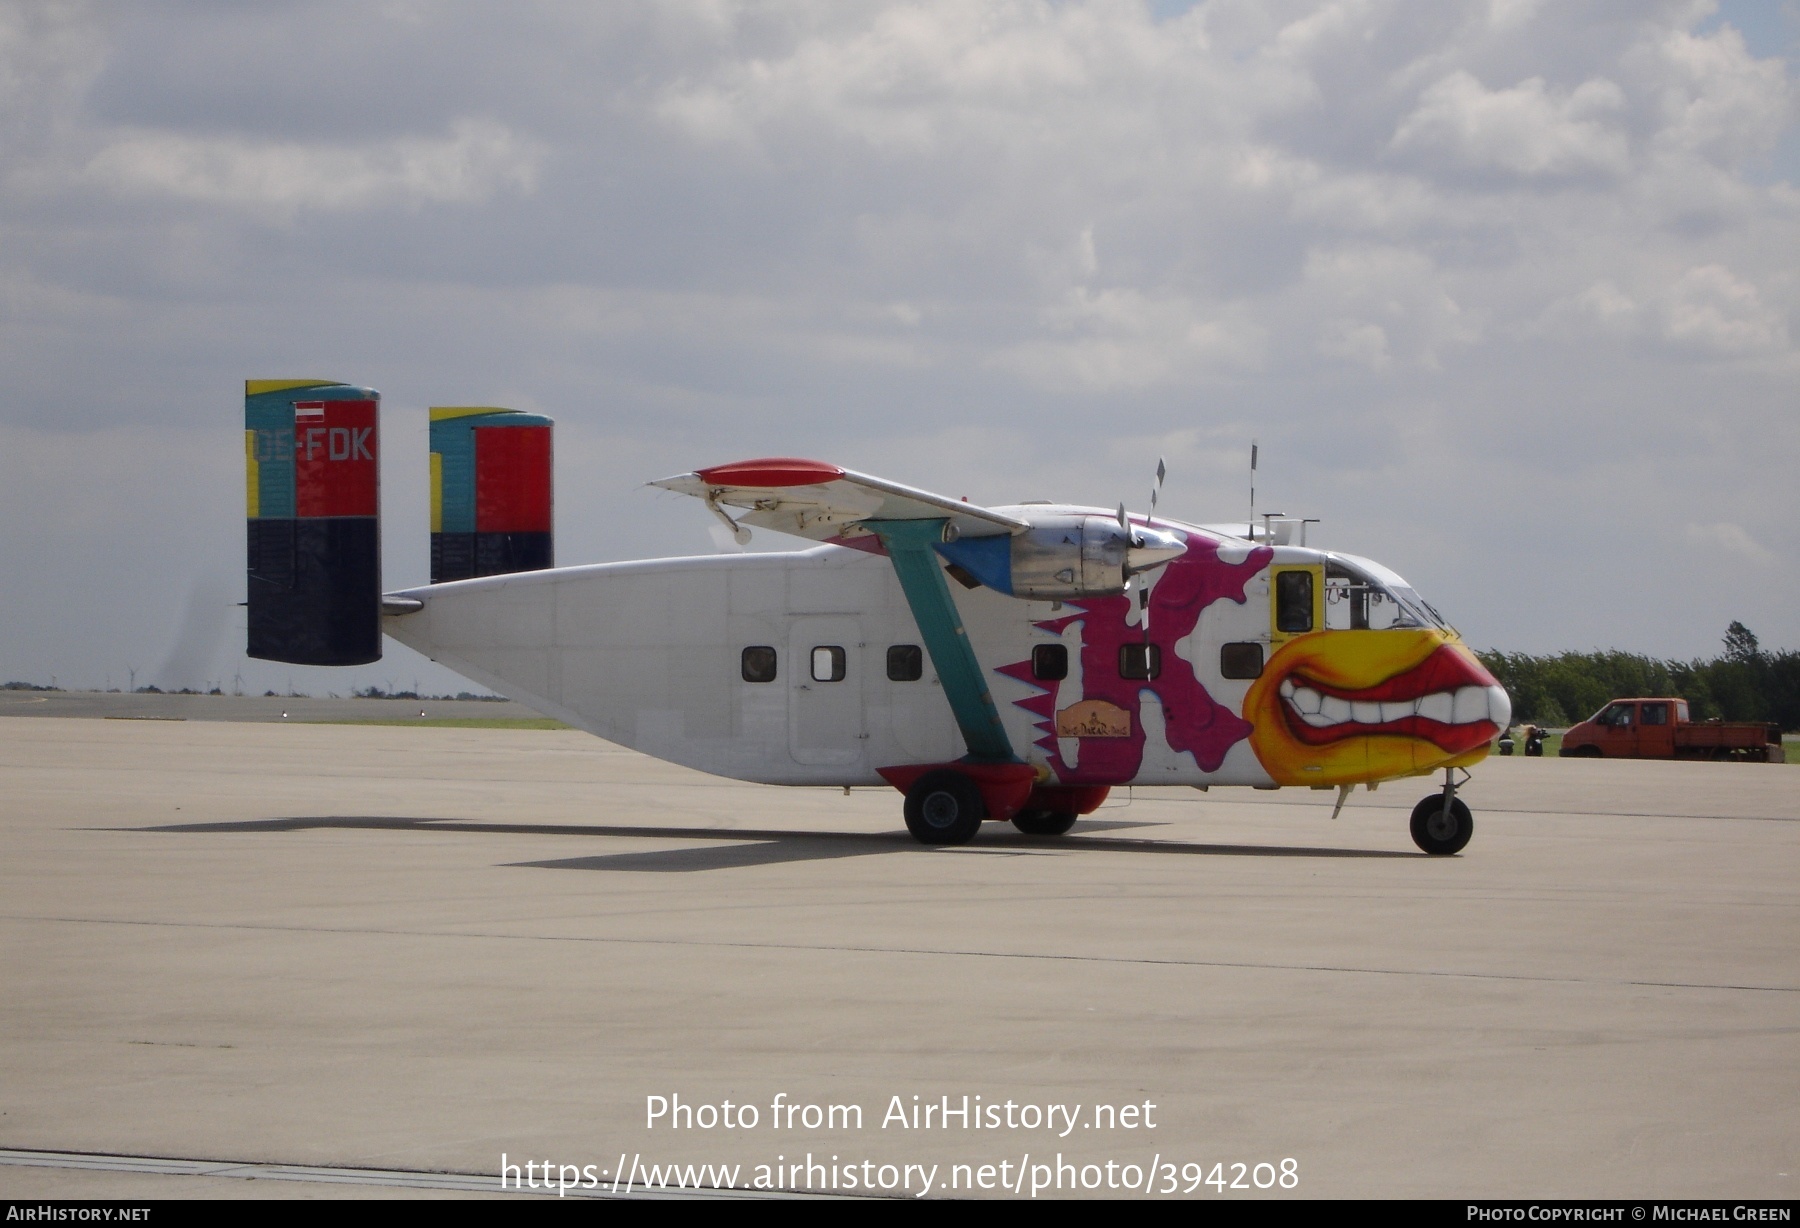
{"x":1195,"y":721}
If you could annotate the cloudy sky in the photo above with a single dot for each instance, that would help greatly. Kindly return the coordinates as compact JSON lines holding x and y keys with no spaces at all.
{"x":1506,"y":289}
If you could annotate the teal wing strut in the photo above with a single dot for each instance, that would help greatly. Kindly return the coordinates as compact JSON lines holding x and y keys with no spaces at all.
{"x":909,"y":545}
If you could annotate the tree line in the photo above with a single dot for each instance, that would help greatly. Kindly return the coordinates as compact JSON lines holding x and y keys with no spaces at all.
{"x":1743,"y":683}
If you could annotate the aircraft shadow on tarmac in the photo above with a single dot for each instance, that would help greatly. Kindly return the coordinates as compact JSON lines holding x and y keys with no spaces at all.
{"x":741,"y":847}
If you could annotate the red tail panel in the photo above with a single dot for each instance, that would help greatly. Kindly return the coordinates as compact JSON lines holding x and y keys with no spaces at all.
{"x":335,"y":465}
{"x":512,"y":479}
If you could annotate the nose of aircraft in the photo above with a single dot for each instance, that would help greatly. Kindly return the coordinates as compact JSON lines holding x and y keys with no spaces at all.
{"x":1152,"y":548}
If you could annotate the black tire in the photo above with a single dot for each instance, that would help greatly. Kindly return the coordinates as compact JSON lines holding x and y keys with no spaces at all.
{"x":944,"y":807}
{"x":1438,"y":833}
{"x":1044,"y":822}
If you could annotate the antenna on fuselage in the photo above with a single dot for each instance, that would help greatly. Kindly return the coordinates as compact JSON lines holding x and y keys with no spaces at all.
{"x":1251,"y":525}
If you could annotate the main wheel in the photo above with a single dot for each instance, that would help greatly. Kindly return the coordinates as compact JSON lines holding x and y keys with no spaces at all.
{"x":944,"y":807}
{"x":1438,"y":831}
{"x":1044,"y":822}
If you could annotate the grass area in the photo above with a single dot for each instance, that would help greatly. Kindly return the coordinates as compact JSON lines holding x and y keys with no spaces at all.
{"x":455,"y":722}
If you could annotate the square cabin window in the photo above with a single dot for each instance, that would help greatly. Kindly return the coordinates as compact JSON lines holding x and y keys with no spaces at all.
{"x":1241,"y":660}
{"x":1050,"y":662}
{"x":829,"y":663}
{"x":1142,"y":661}
{"x":906,"y":663}
{"x":759,"y":663}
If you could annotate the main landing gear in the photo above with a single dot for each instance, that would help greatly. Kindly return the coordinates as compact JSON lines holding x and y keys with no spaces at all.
{"x":946,"y":803}
{"x":1044,"y":822}
{"x":944,"y":807}
{"x":1441,"y":823}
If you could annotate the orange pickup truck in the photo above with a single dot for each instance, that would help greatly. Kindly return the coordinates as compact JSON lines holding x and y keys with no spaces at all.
{"x":1660,"y":729}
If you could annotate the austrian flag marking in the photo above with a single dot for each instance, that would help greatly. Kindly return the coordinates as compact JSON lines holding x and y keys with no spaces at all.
{"x":335,"y":459}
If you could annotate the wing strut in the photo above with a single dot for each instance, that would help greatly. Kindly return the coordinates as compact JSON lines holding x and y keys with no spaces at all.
{"x":909,"y":546}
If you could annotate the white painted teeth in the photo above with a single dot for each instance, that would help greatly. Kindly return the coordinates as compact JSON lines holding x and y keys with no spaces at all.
{"x":1471,"y":705}
{"x":1459,"y":707}
{"x":1437,"y":706}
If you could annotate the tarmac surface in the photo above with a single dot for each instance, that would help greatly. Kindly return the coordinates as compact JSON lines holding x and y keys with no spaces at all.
{"x":355,"y":960}
{"x":162,"y":706}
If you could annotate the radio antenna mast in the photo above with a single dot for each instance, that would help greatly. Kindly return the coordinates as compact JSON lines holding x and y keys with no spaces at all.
{"x":1252,"y":523}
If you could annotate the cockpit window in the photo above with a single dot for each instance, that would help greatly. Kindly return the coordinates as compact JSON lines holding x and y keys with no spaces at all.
{"x":1357,"y":601}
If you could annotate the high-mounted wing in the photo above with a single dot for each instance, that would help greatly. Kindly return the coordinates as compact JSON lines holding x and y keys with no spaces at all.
{"x":823,"y":502}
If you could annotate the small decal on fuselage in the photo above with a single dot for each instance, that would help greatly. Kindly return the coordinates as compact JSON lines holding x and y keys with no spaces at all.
{"x":1093,"y":718}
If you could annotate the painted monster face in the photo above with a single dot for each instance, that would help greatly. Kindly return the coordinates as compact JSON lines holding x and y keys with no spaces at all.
{"x":1341,"y":707}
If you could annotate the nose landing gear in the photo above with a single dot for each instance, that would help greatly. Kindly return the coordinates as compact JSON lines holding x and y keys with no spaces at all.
{"x":1441,"y":823}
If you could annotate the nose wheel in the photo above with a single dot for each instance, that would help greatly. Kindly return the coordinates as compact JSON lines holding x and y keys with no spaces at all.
{"x":1441,"y":823}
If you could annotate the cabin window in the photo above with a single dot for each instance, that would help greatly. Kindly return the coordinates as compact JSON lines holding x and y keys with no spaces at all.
{"x":1654,"y":714}
{"x":1050,"y":662}
{"x":759,"y":663}
{"x":829,"y":663}
{"x":1618,"y":716}
{"x":1142,"y":661}
{"x":906,"y":663}
{"x":1293,"y":601}
{"x":1356,"y":601}
{"x":1681,"y":712}
{"x":1243,"y":660}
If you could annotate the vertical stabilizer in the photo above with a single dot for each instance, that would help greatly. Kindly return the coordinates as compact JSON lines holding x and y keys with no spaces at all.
{"x":491,"y":492}
{"x":313,"y":488}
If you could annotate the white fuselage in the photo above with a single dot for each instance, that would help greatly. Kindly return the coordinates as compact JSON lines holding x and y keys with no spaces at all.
{"x":649,"y":655}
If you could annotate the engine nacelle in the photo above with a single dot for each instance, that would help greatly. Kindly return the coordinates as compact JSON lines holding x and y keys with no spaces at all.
{"x":1066,"y":557}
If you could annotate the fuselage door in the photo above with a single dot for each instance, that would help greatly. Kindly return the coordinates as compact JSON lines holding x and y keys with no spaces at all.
{"x":827,"y":664}
{"x":1296,"y":600}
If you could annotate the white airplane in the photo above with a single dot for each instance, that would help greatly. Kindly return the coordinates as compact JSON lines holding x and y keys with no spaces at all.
{"x":991,"y":663}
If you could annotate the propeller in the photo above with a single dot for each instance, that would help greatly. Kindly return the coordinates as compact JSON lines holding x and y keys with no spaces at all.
{"x":1147,"y":549}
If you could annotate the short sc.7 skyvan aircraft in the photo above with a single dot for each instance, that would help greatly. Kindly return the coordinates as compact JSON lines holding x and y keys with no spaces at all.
{"x":991,"y":663}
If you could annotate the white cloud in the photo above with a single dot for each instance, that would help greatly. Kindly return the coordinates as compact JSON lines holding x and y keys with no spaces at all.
{"x":1713,"y":98}
{"x":1528,"y":129}
{"x":1384,"y":305}
{"x":1120,"y":339}
{"x":1356,"y":341}
{"x":1602,"y":308}
{"x":1712,"y":310}
{"x":475,"y":161}
{"x":1730,"y":539}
